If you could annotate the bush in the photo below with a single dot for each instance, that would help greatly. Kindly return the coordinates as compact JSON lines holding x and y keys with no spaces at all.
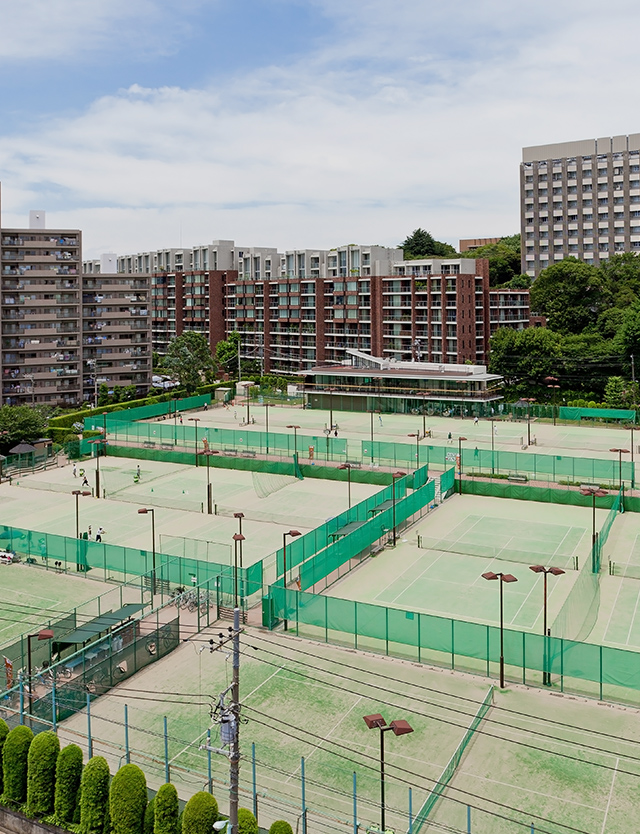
{"x":41,"y":773}
{"x":149,"y":817}
{"x":280,"y":827}
{"x":14,"y":765}
{"x":167,"y":811}
{"x":128,"y":800}
{"x":4,"y":730}
{"x":68,"y":774}
{"x":200,"y":812}
{"x":247,"y":823}
{"x":94,"y":795}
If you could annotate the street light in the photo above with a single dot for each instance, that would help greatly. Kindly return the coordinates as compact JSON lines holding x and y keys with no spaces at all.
{"x":144,"y":511}
{"x":632,"y":428}
{"x":292,"y":534}
{"x":240,"y":516}
{"x":546,"y":674}
{"x":620,"y":452}
{"x":460,"y":439}
{"x":238,"y":538}
{"x":395,"y":476}
{"x":417,"y":437}
{"x":267,"y":406}
{"x":528,"y":401}
{"x":44,"y":634}
{"x":503,"y":577}
{"x":195,"y":420}
{"x":371,"y":415}
{"x":594,"y":492}
{"x":100,"y":442}
{"x":400,"y":728}
{"x":347,"y":466}
{"x":78,"y":493}
{"x":331,"y":408}
{"x":208,"y":454}
{"x":553,"y":388}
{"x":295,"y":437}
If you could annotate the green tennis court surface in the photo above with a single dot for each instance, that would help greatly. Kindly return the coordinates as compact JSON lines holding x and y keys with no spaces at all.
{"x":438,"y":564}
{"x":31,"y":597}
{"x":529,"y":760}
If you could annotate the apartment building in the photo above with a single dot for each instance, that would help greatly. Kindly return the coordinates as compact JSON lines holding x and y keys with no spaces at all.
{"x":579,"y":199}
{"x":52,"y":327}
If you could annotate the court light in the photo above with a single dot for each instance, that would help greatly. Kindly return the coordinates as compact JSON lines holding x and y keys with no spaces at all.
{"x":503,"y":577}
{"x":399,"y":727}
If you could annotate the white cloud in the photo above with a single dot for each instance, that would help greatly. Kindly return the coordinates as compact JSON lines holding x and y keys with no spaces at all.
{"x":411,"y":114}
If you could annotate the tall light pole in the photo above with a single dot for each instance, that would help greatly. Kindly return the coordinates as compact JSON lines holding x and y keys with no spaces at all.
{"x":400,"y":728}
{"x":594,"y":492}
{"x":208,"y":454}
{"x":238,"y":538}
{"x":528,"y":401}
{"x":546,"y":674}
{"x":460,"y":440}
{"x":144,"y":511}
{"x":347,"y":466}
{"x":395,"y":476}
{"x":292,"y":534}
{"x":371,"y":415}
{"x":78,"y":493}
{"x":101,"y":442}
{"x":620,"y":453}
{"x":550,"y":380}
{"x":503,"y":577}
{"x":417,"y":437}
{"x":632,"y":428}
{"x":267,"y":406}
{"x":240,"y":516}
{"x":195,"y":420}
{"x":295,"y":437}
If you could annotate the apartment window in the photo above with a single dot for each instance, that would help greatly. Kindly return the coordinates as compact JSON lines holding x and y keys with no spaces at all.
{"x":557,"y":191}
{"x":542,"y":177}
{"x":587,"y":187}
{"x":587,"y":203}
{"x":528,"y":178}
{"x":602,"y":172}
{"x":603,"y":201}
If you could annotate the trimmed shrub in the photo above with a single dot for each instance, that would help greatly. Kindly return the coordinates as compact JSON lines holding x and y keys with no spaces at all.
{"x":149,"y":817}
{"x":280,"y":827}
{"x":68,"y":774}
{"x":128,"y":800}
{"x":4,"y":731}
{"x":106,"y":826}
{"x":167,"y":810}
{"x":41,"y":773}
{"x":14,"y":765}
{"x":94,"y":795}
{"x":199,"y":814}
{"x":247,"y":823}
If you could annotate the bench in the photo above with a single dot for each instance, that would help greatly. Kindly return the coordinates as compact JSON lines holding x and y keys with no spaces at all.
{"x":149,"y":444}
{"x":230,"y":451}
{"x":354,"y":464}
{"x":520,"y":479}
{"x":167,"y":446}
{"x":248,"y":453}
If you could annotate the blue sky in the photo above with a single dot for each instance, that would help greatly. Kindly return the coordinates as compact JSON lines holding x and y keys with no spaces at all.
{"x":287,"y":123}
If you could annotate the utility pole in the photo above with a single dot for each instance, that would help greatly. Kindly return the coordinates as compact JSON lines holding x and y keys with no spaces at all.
{"x":229,"y":720}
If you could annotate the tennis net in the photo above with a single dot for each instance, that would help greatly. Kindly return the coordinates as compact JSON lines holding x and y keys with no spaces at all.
{"x":510,"y":550}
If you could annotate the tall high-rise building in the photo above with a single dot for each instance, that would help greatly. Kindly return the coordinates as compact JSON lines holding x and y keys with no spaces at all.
{"x":579,"y":199}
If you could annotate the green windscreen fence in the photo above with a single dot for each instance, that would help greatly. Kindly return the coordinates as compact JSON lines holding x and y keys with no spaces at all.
{"x":452,"y":765}
{"x":146,"y":412}
{"x":447,"y":481}
{"x":567,"y":413}
{"x":430,"y":638}
{"x":524,"y":492}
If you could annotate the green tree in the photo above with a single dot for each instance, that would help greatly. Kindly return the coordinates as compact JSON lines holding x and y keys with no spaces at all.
{"x":128,"y":800}
{"x":570,"y":294}
{"x":200,"y":812}
{"x":227,"y":354}
{"x":166,"y":810}
{"x":189,"y":359}
{"x":41,"y":773}
{"x":149,"y":817}
{"x":615,"y":392}
{"x":68,"y":774}
{"x":421,"y":244}
{"x":247,"y":823}
{"x":94,"y":795}
{"x":504,"y":259}
{"x":621,"y":278}
{"x":104,"y":398}
{"x":280,"y":827}
{"x":15,"y":752}
{"x":22,"y":423}
{"x":4,"y":731}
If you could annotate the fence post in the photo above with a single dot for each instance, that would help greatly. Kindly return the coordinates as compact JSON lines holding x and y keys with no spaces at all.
{"x":167,"y":775}
{"x":253,"y":774}
{"x":410,"y":813}
{"x":209,"y":778}
{"x":304,"y":803}
{"x":600,"y":647}
{"x":54,"y":711}
{"x":126,"y":735}
{"x":355,"y":805}
{"x":21,"y":699}
{"x":89,"y":738}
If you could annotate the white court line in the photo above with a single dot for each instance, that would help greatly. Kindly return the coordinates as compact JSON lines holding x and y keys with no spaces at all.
{"x":203,"y":734}
{"x":606,"y":811}
{"x":524,"y":601}
{"x":528,"y":790}
{"x":613,"y":609}
{"x":633,"y":619}
{"x":326,"y":738}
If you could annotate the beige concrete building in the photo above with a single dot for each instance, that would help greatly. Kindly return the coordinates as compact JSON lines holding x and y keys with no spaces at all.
{"x":579,"y":199}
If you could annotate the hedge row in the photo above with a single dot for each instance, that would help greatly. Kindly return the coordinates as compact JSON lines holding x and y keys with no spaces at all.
{"x":48,"y":783}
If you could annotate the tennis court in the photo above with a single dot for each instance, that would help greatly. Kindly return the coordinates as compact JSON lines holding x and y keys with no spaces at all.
{"x":271,"y":503}
{"x":559,"y":762}
{"x":573,"y":764}
{"x":438,"y":564}
{"x":31,"y":597}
